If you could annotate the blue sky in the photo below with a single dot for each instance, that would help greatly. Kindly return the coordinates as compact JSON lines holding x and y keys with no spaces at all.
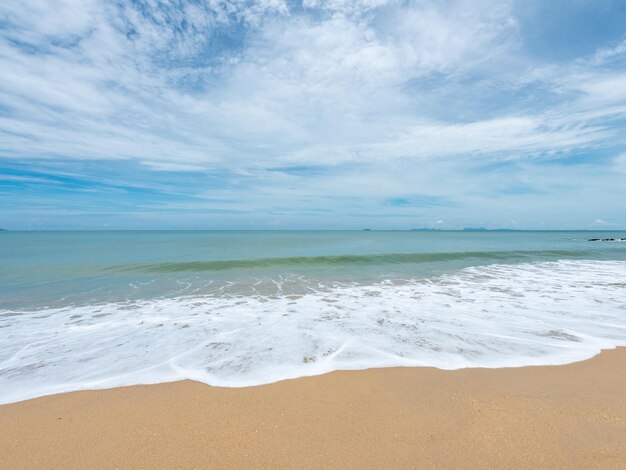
{"x":270,"y":114}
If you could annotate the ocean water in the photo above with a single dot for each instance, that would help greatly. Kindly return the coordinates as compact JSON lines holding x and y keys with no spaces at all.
{"x":87,"y":310}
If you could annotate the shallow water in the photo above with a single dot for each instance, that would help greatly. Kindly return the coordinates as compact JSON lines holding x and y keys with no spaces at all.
{"x":100,"y":309}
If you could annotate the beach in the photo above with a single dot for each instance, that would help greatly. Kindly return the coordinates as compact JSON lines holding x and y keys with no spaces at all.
{"x":312,"y":349}
{"x":569,"y":416}
{"x":320,"y":234}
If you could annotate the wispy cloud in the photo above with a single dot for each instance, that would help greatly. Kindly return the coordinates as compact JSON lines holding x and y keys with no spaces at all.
{"x":311,"y":112}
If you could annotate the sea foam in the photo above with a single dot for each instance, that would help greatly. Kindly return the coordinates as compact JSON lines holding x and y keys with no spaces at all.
{"x":489,"y":316}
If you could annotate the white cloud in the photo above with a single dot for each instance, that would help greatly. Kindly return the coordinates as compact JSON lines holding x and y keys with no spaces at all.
{"x":408,"y":94}
{"x":116,"y":92}
{"x":302,"y":89}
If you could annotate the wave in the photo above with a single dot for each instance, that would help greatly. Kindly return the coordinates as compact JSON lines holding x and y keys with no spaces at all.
{"x":346,"y":260}
{"x":500,"y":315}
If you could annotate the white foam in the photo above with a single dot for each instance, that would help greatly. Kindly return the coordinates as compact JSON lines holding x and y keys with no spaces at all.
{"x":492,"y":316}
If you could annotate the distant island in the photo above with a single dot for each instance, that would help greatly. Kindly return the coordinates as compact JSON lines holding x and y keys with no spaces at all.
{"x":483,"y":229}
{"x":466,"y":229}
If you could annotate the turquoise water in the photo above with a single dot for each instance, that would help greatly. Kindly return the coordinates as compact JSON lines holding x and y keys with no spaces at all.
{"x":65,"y":268}
{"x":97,"y":309}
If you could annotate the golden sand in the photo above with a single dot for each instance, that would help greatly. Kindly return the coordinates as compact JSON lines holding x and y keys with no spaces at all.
{"x":571,"y":416}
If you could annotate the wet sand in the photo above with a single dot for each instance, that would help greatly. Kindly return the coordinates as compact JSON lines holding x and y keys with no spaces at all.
{"x":571,"y":416}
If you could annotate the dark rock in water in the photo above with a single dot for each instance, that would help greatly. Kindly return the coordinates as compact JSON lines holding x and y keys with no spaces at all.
{"x":608,"y":239}
{"x":593,"y":240}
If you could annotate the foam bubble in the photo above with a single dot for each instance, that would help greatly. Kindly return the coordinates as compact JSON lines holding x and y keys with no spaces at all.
{"x":490,"y":316}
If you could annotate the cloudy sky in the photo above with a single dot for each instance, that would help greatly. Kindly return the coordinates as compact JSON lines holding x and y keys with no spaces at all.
{"x":233,"y":114}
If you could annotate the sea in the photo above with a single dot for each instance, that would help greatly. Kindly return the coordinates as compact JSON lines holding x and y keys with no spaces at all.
{"x":100,"y":309}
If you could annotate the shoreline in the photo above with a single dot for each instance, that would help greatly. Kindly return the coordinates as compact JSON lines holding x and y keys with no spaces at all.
{"x":571,"y":415}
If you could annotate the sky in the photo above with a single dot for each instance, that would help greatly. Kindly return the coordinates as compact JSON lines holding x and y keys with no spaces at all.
{"x":312,"y":114}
